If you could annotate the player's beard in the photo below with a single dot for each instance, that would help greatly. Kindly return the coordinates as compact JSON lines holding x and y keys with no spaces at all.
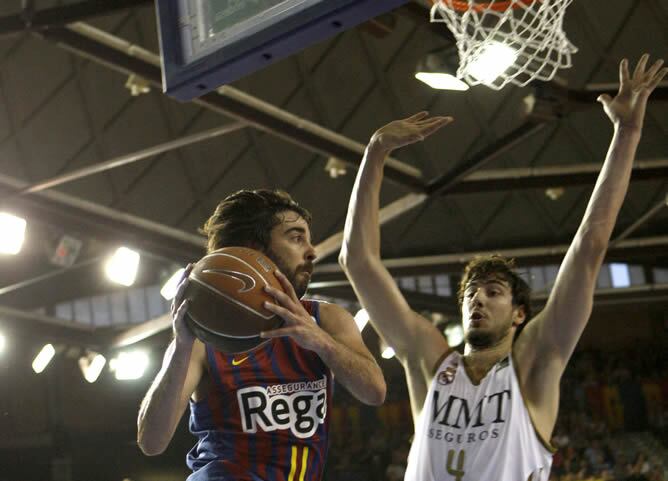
{"x":299,"y":286}
{"x":485,"y":339}
{"x":480,"y":340}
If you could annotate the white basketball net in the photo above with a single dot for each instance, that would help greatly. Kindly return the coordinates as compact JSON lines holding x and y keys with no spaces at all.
{"x":525,"y":41}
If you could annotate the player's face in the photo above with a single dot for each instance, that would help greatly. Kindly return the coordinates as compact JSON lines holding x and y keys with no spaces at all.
{"x":290,"y":248}
{"x":488,"y":312}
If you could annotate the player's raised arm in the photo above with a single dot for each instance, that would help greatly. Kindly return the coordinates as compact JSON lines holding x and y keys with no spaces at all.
{"x":402,"y":329}
{"x":167,"y":398}
{"x":549,"y":340}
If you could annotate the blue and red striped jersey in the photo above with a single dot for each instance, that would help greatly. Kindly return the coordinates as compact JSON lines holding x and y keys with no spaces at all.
{"x":265,"y":416}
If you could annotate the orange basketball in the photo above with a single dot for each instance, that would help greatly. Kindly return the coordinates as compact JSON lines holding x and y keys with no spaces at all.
{"x":226,"y":296}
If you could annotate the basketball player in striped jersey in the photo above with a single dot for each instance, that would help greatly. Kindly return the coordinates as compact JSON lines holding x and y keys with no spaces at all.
{"x":261,"y":415}
{"x":488,"y":414}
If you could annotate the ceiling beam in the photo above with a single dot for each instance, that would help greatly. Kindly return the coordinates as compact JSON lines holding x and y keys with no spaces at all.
{"x":444,"y":183}
{"x":449,"y":306}
{"x":495,"y":180}
{"x":646,"y":248}
{"x":59,"y":209}
{"x":96,"y":221}
{"x":332,"y":244}
{"x":394,"y":209}
{"x":419,"y":301}
{"x":574,"y":100}
{"x":619,"y":295}
{"x":141,"y":332}
{"x":655,"y":209}
{"x":64,"y":14}
{"x":133,"y":157}
{"x":36,"y":326}
{"x":121,"y":56}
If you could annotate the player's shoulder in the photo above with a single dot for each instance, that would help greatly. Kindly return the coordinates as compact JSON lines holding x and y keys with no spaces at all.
{"x":333,"y":318}
{"x":329,"y":309}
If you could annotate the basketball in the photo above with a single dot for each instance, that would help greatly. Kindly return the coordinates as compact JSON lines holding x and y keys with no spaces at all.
{"x":226,"y":295}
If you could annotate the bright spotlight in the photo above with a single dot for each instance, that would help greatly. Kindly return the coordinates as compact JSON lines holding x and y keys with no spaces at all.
{"x":491,"y":62}
{"x":455,"y":334}
{"x":168,"y":291}
{"x":91,"y":366}
{"x":43,"y":358}
{"x":13,"y":233}
{"x":361,"y":319}
{"x":441,"y":81}
{"x":3,"y":341}
{"x":129,"y":365}
{"x":122,"y":267}
{"x":388,"y":353}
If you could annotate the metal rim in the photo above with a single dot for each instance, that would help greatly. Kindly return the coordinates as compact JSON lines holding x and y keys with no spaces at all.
{"x":502,"y":6}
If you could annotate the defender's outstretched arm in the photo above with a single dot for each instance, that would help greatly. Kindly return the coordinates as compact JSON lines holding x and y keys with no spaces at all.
{"x":558,"y":327}
{"x":417,"y":344}
{"x":546,"y":344}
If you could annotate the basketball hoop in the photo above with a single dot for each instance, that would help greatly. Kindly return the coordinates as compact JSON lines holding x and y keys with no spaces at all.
{"x":509,"y":41}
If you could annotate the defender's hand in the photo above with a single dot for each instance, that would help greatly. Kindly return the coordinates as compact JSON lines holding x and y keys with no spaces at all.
{"x":179,"y":308}
{"x":299,"y":325}
{"x":627,"y":109}
{"x":407,"y":131}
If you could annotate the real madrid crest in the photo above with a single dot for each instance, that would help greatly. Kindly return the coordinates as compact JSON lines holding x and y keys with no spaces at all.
{"x":446,"y":377}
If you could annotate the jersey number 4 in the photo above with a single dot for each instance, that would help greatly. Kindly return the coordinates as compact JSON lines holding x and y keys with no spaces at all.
{"x":457,"y":471}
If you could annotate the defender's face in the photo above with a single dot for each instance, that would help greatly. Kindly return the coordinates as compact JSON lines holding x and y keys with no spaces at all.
{"x":291,"y":249}
{"x":488,"y":312}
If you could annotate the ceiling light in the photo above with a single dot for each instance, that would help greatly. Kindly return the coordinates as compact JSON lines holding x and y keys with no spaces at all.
{"x":129,"y":365}
{"x":492,"y":60}
{"x":91,"y":366}
{"x":441,"y":81}
{"x":168,"y":290}
{"x":361,"y":319}
{"x":554,"y":193}
{"x":13,"y":233}
{"x":43,"y":358}
{"x":388,"y":353}
{"x":437,"y":70}
{"x":455,"y":334}
{"x":335,"y":167}
{"x":3,"y":341}
{"x":122,"y":267}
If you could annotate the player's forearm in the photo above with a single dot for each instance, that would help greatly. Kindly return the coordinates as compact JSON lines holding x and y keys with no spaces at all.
{"x":162,"y":408}
{"x":357,"y":373}
{"x":360,"y":256}
{"x":570,"y":304}
{"x":362,"y":229}
{"x":611,"y":187}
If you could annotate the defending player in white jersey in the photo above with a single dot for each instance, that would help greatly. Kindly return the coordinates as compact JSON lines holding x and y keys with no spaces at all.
{"x":482,"y":416}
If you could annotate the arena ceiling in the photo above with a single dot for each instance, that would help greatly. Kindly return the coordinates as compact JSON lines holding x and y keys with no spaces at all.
{"x":68,"y":119}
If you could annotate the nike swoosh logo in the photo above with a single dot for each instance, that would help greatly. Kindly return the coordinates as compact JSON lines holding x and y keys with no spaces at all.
{"x":236,"y":363}
{"x":246,"y":280}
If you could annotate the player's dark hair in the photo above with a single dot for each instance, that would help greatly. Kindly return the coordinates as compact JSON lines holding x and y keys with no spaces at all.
{"x":498,"y":267}
{"x":247,"y":217}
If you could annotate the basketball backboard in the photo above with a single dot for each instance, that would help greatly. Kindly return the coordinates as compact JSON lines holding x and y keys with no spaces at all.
{"x":208,"y":43}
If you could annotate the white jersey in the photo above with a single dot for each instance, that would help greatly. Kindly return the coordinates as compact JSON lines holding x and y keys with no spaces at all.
{"x":483,"y":432}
